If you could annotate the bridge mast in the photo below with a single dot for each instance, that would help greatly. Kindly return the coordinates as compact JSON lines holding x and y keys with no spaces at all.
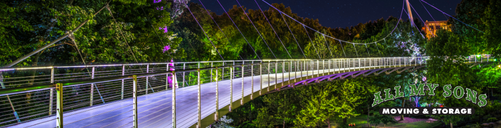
{"x":410,"y":13}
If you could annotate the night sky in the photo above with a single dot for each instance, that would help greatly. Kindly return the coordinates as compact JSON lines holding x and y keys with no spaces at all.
{"x":345,"y":13}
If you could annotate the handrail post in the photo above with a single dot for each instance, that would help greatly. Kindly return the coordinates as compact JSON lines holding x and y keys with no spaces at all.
{"x":51,"y":90}
{"x":199,"y":99}
{"x":318,"y":68}
{"x":252,"y":80}
{"x":283,"y":74}
{"x":123,"y":82}
{"x":174,"y":80}
{"x":92,"y":87}
{"x":184,"y":66}
{"x":59,"y":105}
{"x":167,"y":78}
{"x":260,"y":77}
{"x":134,"y":102}
{"x":217,"y":97}
{"x":290,"y":70}
{"x":269,"y":74}
{"x":147,"y":80}
{"x":211,"y":65}
{"x":231,"y":86}
{"x":276,"y":74}
{"x":243,"y":74}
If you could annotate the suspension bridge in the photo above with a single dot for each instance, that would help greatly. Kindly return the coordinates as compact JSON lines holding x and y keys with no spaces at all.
{"x":172,"y":94}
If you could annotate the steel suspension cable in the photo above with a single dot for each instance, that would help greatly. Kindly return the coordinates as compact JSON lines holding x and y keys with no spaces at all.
{"x":311,"y":42}
{"x":208,"y":13}
{"x":260,"y":35}
{"x":239,"y":29}
{"x":415,"y":26}
{"x":268,"y":23}
{"x":327,"y":46}
{"x":342,"y":47}
{"x":428,"y":13}
{"x":205,"y":33}
{"x":451,"y":16}
{"x":289,"y":31}
{"x":419,"y":18}
{"x":368,"y":54}
{"x":323,"y":33}
{"x":355,"y":49}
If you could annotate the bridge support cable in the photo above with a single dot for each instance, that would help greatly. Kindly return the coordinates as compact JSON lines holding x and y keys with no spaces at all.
{"x":355,"y":49}
{"x":205,"y":33}
{"x":289,"y":31}
{"x":327,"y":44}
{"x":278,"y":37}
{"x":259,"y":33}
{"x":450,"y":16}
{"x":368,"y":54}
{"x":311,"y":42}
{"x":415,"y":26}
{"x":428,"y":14}
{"x":323,"y":33}
{"x":208,"y":13}
{"x":342,"y":47}
{"x":240,"y":31}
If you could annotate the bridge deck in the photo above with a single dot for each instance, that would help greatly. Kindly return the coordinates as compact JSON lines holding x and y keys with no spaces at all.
{"x":155,"y":109}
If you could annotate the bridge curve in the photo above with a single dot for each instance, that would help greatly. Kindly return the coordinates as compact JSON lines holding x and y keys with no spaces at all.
{"x":193,"y":105}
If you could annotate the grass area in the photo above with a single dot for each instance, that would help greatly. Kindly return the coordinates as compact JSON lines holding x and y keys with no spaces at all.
{"x":361,"y":121}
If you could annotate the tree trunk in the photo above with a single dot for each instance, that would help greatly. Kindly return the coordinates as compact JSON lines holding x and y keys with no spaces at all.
{"x":403,"y":105}
{"x":345,"y":121}
{"x":451,"y":124}
{"x":328,"y":123}
{"x":283,"y":125}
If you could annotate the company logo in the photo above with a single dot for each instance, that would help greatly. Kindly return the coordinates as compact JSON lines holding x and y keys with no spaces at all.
{"x":419,"y":90}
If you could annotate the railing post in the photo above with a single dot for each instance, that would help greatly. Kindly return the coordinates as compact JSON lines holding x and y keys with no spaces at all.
{"x":359,"y":64}
{"x":243,"y":74}
{"x":323,"y":67}
{"x":174,"y":79}
{"x":167,"y":78}
{"x":295,"y":71}
{"x":306,"y":68}
{"x":318,"y":68}
{"x":184,"y":66}
{"x":231,"y":86}
{"x":147,"y":82}
{"x":134,"y":102}
{"x":92,"y":87}
{"x":290,"y":70}
{"x":269,"y":74}
{"x":59,"y":105}
{"x":211,"y":65}
{"x":283,"y":73}
{"x":216,"y":117}
{"x":252,"y":80}
{"x":260,"y":77}
{"x":51,"y":90}
{"x":123,"y":82}
{"x":199,"y":99}
{"x":276,"y":74}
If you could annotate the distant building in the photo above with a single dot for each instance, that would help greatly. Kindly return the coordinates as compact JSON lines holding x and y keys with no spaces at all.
{"x":431,"y":27}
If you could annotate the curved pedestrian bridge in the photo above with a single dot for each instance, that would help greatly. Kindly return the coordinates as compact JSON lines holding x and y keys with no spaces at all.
{"x":131,"y":95}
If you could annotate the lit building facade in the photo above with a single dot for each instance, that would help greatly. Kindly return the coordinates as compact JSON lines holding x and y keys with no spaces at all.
{"x":431,"y":27}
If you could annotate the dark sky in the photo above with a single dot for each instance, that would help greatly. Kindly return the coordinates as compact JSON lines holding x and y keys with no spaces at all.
{"x":345,"y":13}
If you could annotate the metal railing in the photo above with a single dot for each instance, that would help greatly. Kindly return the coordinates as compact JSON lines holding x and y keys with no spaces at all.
{"x":29,"y":91}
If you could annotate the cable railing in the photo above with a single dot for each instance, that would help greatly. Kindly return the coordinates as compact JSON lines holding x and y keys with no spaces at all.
{"x":37,"y":92}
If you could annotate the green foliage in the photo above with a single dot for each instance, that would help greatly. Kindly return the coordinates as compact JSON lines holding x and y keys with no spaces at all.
{"x":132,"y":36}
{"x":492,"y":22}
{"x":377,"y":118}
